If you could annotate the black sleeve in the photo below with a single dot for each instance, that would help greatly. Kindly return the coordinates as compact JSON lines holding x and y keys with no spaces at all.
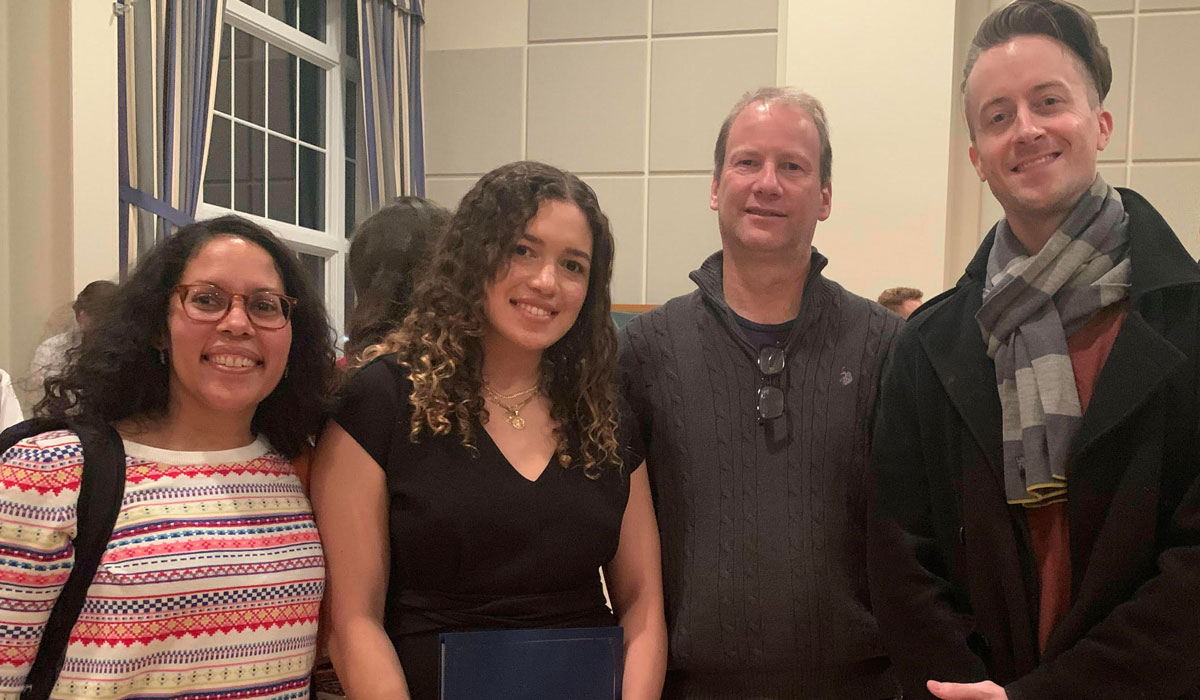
{"x":371,"y":404}
{"x":923,"y":628}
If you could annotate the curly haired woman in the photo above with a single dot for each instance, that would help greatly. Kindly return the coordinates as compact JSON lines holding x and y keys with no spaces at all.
{"x":213,"y":363}
{"x":474,"y":475}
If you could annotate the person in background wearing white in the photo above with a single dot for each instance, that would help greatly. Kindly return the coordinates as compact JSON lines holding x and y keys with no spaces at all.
{"x":51,"y":356}
{"x":10,"y":410}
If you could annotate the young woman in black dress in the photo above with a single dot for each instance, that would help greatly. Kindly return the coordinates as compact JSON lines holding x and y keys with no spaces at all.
{"x":476,"y":475}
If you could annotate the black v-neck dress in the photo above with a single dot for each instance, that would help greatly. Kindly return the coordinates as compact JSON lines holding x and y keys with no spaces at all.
{"x":474,"y":544}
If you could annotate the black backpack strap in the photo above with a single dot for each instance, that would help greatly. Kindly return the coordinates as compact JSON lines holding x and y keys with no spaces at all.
{"x":101,"y":489}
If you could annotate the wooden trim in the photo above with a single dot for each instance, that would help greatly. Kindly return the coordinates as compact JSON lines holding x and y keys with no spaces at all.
{"x":634,"y":308}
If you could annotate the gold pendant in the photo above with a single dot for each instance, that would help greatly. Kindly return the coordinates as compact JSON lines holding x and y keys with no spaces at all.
{"x":516,"y":421}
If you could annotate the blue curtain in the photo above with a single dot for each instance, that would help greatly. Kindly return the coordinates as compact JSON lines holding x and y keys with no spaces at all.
{"x":166,"y":74}
{"x":390,"y":55}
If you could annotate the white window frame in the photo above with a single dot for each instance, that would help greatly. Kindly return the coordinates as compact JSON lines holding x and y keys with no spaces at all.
{"x":330,"y":244}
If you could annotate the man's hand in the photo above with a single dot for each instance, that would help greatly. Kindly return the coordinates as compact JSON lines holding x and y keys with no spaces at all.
{"x":986,"y":690}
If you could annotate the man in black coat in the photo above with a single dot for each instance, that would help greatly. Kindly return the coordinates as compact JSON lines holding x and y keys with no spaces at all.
{"x":1036,"y":533}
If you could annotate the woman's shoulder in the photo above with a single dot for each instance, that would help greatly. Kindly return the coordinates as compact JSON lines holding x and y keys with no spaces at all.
{"x":382,"y":375}
{"x":373,"y":402}
{"x":49,"y":462}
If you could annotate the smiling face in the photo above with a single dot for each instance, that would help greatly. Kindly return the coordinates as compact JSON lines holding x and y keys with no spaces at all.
{"x":223,"y":369}
{"x":769,"y":195}
{"x":539,"y":290}
{"x":1038,"y":128}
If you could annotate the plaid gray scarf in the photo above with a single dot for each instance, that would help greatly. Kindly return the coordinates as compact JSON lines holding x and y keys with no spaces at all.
{"x":1031,"y":304}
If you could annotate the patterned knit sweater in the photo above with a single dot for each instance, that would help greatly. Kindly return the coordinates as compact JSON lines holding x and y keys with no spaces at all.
{"x":762,"y":525}
{"x":210,"y":586}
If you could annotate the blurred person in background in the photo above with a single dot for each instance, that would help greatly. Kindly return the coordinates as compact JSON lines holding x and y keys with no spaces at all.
{"x":901,"y":300}
{"x":51,"y":356}
{"x":387,"y":251}
{"x":10,"y":409}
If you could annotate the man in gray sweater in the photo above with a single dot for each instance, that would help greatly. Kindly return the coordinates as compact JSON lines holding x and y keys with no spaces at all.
{"x":752,"y":396}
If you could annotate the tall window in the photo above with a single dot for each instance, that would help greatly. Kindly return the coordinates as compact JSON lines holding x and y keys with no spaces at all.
{"x":282,"y":147}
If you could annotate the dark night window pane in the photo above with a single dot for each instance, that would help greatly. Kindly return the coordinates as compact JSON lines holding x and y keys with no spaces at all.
{"x":315,"y":266}
{"x":281,"y":88}
{"x":249,"y":78}
{"x":216,"y":171}
{"x":350,"y":18}
{"x":221,"y":104}
{"x":312,"y":18}
{"x":249,"y":169}
{"x":350,"y":213}
{"x":351,"y":117}
{"x":281,"y":185}
{"x":283,"y":10}
{"x":312,"y":97}
{"x":312,"y":189}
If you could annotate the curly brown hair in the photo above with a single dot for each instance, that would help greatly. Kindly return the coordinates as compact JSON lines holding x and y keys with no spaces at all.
{"x":116,"y":371}
{"x":439,"y":341}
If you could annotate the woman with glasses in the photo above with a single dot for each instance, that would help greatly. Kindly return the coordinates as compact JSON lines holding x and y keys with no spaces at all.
{"x":475,"y":476}
{"x":212,"y":363}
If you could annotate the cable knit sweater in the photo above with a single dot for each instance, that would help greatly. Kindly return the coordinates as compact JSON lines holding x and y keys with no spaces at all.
{"x":762,"y":525}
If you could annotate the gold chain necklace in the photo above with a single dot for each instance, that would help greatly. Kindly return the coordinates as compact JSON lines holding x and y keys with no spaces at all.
{"x":508,"y":397}
{"x":513,"y":413}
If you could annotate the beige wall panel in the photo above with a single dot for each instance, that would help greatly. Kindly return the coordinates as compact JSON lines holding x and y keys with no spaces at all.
{"x":1117,"y":35}
{"x":682,"y":232}
{"x":1174,"y":190}
{"x":448,"y":191}
{"x":6,"y":291}
{"x":1167,"y":98}
{"x":587,"y":106}
{"x":695,"y":83}
{"x":38,"y":151}
{"x":1113,"y":174}
{"x":687,"y":16}
{"x":1089,"y":5}
{"x":1170,"y":5}
{"x":475,"y":24}
{"x":473,"y":109}
{"x":1107,"y":5}
{"x":888,"y":94}
{"x":622,"y":200}
{"x":586,"y":19}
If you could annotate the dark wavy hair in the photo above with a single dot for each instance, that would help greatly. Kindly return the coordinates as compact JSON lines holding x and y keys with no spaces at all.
{"x":439,"y":342}
{"x":386,"y":252}
{"x":116,"y":373}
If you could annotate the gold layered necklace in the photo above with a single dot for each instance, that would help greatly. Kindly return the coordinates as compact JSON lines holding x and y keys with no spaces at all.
{"x":513,"y":411}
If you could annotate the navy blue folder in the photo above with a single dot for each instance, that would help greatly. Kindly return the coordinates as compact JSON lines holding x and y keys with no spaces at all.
{"x":541,"y":664}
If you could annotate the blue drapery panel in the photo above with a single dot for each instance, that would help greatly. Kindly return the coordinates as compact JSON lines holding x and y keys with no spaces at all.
{"x":166,"y":70}
{"x":389,"y":40}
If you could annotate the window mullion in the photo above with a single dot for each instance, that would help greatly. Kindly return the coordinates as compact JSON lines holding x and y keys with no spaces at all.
{"x":271,"y":30}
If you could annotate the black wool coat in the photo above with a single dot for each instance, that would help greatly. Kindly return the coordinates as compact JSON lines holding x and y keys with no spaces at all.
{"x":953,"y":581}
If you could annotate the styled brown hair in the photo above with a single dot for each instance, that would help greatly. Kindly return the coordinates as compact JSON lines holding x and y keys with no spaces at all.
{"x":439,"y":341}
{"x":894,"y":297}
{"x":1067,"y":23}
